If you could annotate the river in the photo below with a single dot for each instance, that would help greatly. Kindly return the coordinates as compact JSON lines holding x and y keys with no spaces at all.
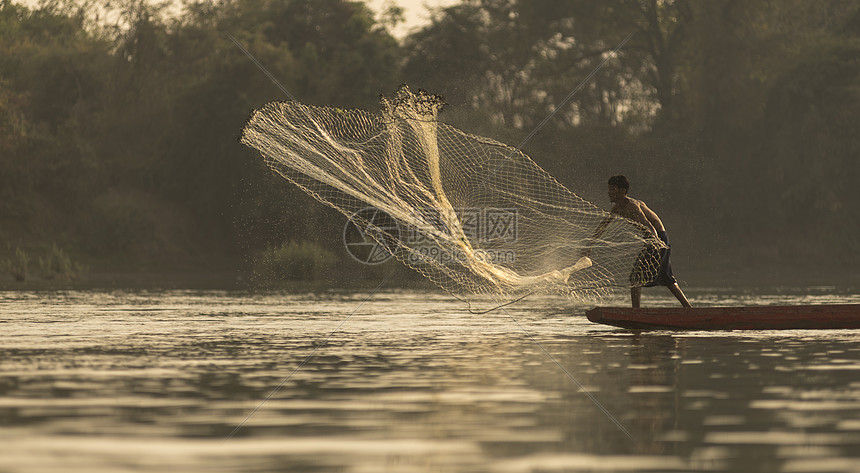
{"x":410,"y":381}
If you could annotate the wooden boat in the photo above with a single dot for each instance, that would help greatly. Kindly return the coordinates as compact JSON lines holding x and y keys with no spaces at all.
{"x":836,"y":316}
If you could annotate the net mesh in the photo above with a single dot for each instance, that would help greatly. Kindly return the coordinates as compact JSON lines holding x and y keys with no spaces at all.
{"x":473,"y":215}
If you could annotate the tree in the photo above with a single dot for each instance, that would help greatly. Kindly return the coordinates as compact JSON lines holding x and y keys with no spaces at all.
{"x":123,"y":135}
{"x":51,"y":76}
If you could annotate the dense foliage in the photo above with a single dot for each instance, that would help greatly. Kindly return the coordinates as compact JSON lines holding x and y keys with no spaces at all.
{"x":735,"y":120}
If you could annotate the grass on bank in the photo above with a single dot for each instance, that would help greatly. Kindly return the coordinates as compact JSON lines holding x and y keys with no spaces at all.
{"x":52,"y":263}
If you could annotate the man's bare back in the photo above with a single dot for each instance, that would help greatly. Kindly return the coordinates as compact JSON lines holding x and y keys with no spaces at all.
{"x":637,"y":211}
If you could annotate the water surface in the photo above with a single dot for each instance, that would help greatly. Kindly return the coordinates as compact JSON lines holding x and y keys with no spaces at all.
{"x":193,"y":381}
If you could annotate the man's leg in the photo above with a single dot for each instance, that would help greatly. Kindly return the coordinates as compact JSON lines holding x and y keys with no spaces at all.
{"x":679,"y":294}
{"x":635,"y":296}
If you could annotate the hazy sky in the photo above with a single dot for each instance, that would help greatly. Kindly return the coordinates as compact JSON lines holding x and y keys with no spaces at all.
{"x":416,"y":11}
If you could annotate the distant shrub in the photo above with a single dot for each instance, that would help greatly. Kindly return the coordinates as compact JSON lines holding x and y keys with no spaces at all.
{"x":18,"y":264}
{"x":292,"y":261}
{"x":56,"y":264}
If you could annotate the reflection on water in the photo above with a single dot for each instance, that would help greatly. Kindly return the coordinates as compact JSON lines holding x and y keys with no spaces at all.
{"x":160,"y":381}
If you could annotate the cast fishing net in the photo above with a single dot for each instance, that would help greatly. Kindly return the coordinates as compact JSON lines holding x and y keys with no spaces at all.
{"x":473,"y":215}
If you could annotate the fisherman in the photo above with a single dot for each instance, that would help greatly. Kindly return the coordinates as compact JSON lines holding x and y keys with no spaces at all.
{"x":641,"y":275}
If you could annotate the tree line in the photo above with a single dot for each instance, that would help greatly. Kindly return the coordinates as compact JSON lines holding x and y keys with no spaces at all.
{"x":736,"y":120}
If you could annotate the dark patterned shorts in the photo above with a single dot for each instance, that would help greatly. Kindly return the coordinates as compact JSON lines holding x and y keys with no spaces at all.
{"x":652,"y":267}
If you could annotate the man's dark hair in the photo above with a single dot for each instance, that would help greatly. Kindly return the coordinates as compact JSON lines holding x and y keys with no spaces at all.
{"x":620,"y":182}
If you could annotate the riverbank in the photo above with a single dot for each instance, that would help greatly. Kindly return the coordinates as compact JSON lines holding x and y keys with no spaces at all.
{"x":744,"y":279}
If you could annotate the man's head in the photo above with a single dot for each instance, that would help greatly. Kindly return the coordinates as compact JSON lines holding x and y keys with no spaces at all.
{"x":618,"y":187}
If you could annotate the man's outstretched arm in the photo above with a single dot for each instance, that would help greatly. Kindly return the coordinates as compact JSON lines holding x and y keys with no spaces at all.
{"x":652,"y":218}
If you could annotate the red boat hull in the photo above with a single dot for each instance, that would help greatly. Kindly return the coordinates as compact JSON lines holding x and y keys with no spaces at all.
{"x":843,"y":316}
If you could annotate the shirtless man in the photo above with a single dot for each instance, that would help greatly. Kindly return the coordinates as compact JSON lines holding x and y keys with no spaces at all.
{"x":637,"y":211}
